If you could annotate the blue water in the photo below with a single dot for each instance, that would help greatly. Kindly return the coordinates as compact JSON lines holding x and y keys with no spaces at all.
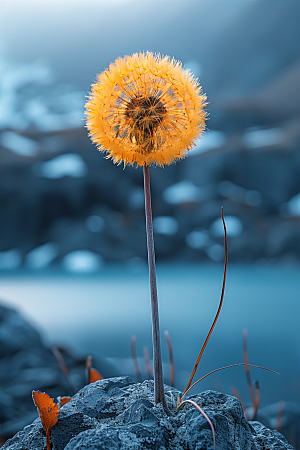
{"x":97,"y":314}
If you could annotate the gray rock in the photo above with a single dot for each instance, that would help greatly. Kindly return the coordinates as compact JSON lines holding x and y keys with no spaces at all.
{"x":117,"y":414}
{"x":27,"y":364}
{"x":15,"y":332}
{"x":265,"y":438}
{"x":285,"y":416}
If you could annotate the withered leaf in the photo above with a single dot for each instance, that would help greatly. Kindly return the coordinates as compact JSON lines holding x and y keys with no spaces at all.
{"x":64,"y":400}
{"x":95,"y":375}
{"x":48,"y":412}
{"x":92,"y":374}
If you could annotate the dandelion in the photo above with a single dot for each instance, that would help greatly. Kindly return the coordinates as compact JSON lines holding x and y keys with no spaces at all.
{"x":146,"y":109}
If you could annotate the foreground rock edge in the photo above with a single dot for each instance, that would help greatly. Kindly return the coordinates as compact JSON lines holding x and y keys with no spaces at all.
{"x":117,"y":413}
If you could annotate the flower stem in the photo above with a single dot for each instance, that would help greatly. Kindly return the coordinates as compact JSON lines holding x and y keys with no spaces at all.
{"x":159,"y":393}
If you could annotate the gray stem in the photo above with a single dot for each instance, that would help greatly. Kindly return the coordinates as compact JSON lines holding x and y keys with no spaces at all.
{"x":159,"y":393}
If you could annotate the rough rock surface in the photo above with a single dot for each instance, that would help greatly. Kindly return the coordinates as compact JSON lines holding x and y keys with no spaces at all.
{"x":286,"y":417}
{"x":118,"y":414}
{"x":27,"y":364}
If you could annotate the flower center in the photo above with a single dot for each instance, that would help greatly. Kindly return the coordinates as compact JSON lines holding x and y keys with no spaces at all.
{"x":144,"y":115}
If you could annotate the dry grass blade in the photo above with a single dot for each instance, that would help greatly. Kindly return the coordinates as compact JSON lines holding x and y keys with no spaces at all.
{"x":203,"y":414}
{"x":64,"y":369}
{"x":236,"y":393}
{"x":218,"y":312}
{"x":279,"y":416}
{"x":88,"y":369}
{"x":247,"y":370}
{"x":257,"y":400}
{"x":171,"y":357}
{"x":147,"y":363}
{"x":92,"y":375}
{"x":225,"y":367}
{"x":134,"y":359}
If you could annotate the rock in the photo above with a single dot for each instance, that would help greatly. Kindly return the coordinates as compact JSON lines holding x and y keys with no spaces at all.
{"x":15,"y":332}
{"x":285,"y":416}
{"x":27,"y":364}
{"x":118,"y":414}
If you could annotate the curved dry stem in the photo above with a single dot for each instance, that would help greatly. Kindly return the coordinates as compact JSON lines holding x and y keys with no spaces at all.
{"x":203,"y":414}
{"x":226,"y":367}
{"x":218,"y":312}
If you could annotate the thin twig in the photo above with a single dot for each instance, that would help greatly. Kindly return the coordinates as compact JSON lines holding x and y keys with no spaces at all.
{"x":171,"y":357}
{"x":64,"y":368}
{"x":219,"y":308}
{"x":134,"y":359}
{"x":204,"y":415}
{"x":147,"y":363}
{"x":159,"y":393}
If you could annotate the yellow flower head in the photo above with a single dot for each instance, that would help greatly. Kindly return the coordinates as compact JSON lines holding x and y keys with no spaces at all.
{"x":145,"y":109}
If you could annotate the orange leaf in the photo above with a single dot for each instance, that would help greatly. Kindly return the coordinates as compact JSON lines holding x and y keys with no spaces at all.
{"x":64,"y":400}
{"x":92,"y":375}
{"x":95,"y":375}
{"x":48,"y":412}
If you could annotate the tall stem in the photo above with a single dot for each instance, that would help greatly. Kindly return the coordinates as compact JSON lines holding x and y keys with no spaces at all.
{"x":159,"y":393}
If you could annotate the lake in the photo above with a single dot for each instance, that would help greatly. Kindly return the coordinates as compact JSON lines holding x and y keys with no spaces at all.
{"x":98,"y":313}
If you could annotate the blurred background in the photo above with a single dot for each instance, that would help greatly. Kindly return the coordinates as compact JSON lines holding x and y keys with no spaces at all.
{"x":72,"y":227}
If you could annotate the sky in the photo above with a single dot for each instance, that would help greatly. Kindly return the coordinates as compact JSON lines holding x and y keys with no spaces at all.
{"x":80,"y":38}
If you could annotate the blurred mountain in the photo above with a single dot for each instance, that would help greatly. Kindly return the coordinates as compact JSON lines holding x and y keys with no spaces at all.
{"x":276,"y":104}
{"x":253,"y":50}
{"x":283,"y":93}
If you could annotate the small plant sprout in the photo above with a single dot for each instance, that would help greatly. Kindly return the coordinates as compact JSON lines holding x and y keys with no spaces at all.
{"x":48,"y":411}
{"x":146,"y":109}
